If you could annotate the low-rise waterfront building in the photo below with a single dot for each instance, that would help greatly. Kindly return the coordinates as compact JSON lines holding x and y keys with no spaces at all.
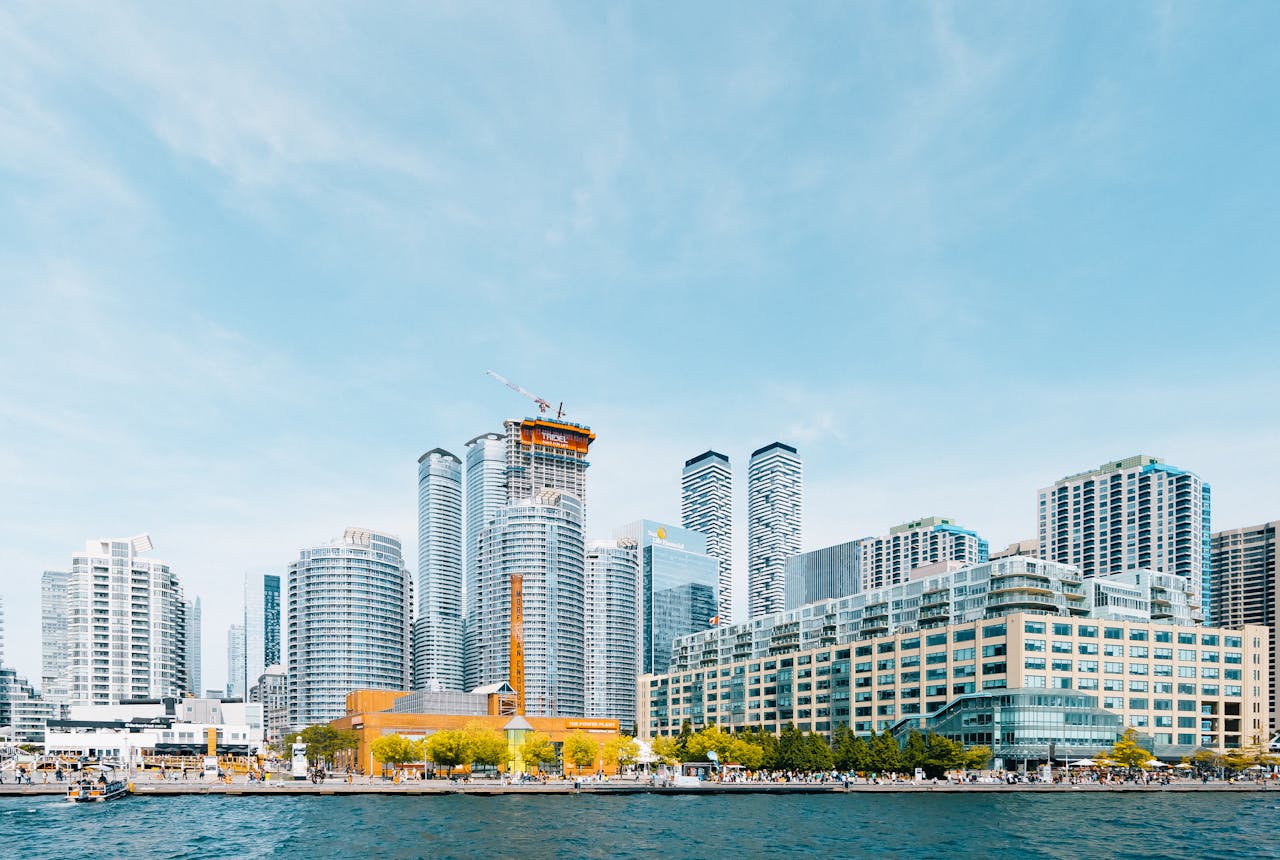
{"x":908,"y":651}
{"x":138,"y":728}
{"x":374,"y":713}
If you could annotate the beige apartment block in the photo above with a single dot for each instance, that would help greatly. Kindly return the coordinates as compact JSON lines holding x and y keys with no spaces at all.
{"x":1185,"y":686}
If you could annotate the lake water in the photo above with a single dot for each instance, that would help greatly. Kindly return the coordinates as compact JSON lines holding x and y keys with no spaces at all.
{"x":1006,"y":825}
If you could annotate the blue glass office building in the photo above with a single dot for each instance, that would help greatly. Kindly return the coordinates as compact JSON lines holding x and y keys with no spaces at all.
{"x":678,"y":587}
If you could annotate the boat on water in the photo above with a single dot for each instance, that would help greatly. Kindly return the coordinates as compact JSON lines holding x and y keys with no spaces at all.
{"x":86,"y":789}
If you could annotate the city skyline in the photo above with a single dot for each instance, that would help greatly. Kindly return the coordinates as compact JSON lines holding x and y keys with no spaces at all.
{"x":218,"y":284}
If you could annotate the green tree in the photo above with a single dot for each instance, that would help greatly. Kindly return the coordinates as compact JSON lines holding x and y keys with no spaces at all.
{"x":449,"y":748}
{"x":1127,"y":753}
{"x":579,"y":750}
{"x":395,"y":750}
{"x":621,"y":751}
{"x":488,"y":746}
{"x":915,"y":751}
{"x":769,"y":747}
{"x":860,"y":754}
{"x":710,"y":738}
{"x":941,"y":755}
{"x":324,"y":741}
{"x":885,"y":757}
{"x":818,"y":754}
{"x":842,"y":747}
{"x":537,"y":750}
{"x":791,"y":748}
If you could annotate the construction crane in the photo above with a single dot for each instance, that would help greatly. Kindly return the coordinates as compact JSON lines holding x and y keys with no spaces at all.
{"x":544,"y":406}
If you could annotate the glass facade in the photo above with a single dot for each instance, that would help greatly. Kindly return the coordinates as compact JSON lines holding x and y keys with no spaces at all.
{"x":437,"y":630}
{"x":1021,"y":724}
{"x":706,"y":506}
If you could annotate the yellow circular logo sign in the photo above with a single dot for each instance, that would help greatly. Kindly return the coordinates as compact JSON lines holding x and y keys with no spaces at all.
{"x":662,"y":533}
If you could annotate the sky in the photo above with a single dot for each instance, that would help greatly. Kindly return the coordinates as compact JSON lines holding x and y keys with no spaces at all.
{"x":255,"y":261}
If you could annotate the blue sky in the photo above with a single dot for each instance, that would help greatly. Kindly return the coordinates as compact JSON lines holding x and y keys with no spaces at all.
{"x":253,"y":263}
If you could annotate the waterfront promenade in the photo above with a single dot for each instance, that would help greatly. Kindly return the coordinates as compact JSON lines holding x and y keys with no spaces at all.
{"x":485,"y":789}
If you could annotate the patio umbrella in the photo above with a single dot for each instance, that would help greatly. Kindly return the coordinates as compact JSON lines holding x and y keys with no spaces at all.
{"x":1156,"y":763}
{"x":1084,"y":762}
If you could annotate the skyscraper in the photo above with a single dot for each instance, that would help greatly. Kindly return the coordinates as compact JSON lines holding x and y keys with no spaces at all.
{"x":261,"y":626}
{"x":126,"y":625}
{"x":1246,"y":587}
{"x":539,"y":539}
{"x":706,"y":505}
{"x":54,"y":681}
{"x":774,"y":507}
{"x":889,"y":560}
{"x":437,"y":631}
{"x":543,"y":454}
{"x":349,"y":604}
{"x":611,"y":635}
{"x":236,"y":688}
{"x":678,"y":585}
{"x":1138,"y":512}
{"x":195,"y":637}
{"x":486,"y":486}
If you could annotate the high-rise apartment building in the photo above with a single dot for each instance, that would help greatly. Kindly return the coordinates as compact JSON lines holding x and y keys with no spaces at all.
{"x":1138,"y":512}
{"x":539,"y":539}
{"x":437,"y":631}
{"x":545,"y":454}
{"x":349,"y":606}
{"x":774,"y":508}
{"x":236,"y":688}
{"x":54,"y":682}
{"x":678,"y":585}
{"x":261,"y":626}
{"x":890,"y":559}
{"x":126,"y":625}
{"x":195,"y":641}
{"x":1029,"y":548}
{"x":706,"y":505}
{"x":821,"y":574}
{"x":611,"y":632}
{"x":1246,"y":587}
{"x":486,"y":493}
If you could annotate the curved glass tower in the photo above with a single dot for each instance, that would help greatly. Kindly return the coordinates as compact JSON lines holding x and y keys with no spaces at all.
{"x":349,"y":608}
{"x":437,"y":632}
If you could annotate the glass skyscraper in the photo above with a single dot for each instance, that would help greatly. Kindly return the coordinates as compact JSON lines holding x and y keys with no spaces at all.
{"x":261,"y":627}
{"x":706,"y":505}
{"x":774,"y":510}
{"x":486,"y":485}
{"x":349,"y":604}
{"x":678,"y":587}
{"x":437,"y":632}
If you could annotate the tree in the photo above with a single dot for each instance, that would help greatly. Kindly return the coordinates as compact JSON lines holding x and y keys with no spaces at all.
{"x":1127,"y":753}
{"x":710,"y":738}
{"x":842,"y":747}
{"x":885,"y":757}
{"x":449,"y":748}
{"x":665,"y":749}
{"x":579,"y":750}
{"x":791,"y":750}
{"x":975,"y":757}
{"x":324,"y":741}
{"x":621,"y":751}
{"x":860,"y":754}
{"x":817,"y":753}
{"x":745,"y":753}
{"x":941,"y":755}
{"x":537,"y":750}
{"x":915,"y":751}
{"x":395,"y":750}
{"x":488,"y":746}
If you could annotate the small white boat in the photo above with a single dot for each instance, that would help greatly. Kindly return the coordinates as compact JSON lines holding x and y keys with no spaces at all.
{"x":88,"y":790}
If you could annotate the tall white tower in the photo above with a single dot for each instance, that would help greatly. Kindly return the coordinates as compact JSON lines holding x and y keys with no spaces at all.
{"x":706,"y":505}
{"x":774,"y":507}
{"x":437,"y":631}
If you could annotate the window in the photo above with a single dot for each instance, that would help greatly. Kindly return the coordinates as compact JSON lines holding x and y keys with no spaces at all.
{"x":1087,"y":648}
{"x":1036,"y":680}
{"x":992,"y":630}
{"x":1113,"y":668}
{"x":1087,"y":666}
{"x":1210,"y":639}
{"x":1087,"y":684}
{"x":1033,"y":627}
{"x":1136,"y":635}
{"x":1138,"y":651}
{"x":1137,"y":668}
{"x":1137,"y":686}
{"x":1112,"y":633}
{"x":936,"y":639}
{"x":963,"y":654}
{"x":1034,"y":644}
{"x":964,"y":635}
{"x":910,"y":644}
{"x":1033,"y":663}
{"x":997,"y":650}
{"x":1061,"y":629}
{"x":1087,"y":630}
{"x":1060,"y":647}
